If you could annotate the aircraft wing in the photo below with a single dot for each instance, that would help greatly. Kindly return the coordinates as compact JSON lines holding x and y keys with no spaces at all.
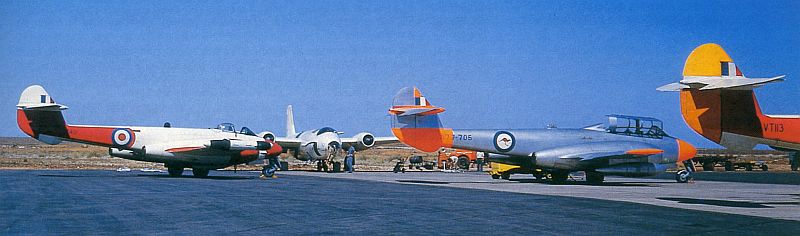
{"x":288,"y":142}
{"x":186,"y":146}
{"x":208,"y":146}
{"x":614,"y":154}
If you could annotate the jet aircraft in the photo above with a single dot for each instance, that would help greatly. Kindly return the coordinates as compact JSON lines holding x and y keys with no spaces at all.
{"x":628,"y":146}
{"x":40,"y":117}
{"x":718,"y":102}
{"x":322,"y":145}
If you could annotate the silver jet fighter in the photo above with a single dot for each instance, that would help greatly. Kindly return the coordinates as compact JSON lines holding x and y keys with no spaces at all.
{"x":628,"y":146}
{"x":324,"y":144}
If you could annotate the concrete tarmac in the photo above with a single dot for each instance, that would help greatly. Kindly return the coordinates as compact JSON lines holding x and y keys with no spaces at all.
{"x":778,"y":201}
{"x":108,"y":202}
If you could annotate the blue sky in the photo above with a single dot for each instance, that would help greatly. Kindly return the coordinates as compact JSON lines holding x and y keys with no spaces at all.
{"x":492,"y":64}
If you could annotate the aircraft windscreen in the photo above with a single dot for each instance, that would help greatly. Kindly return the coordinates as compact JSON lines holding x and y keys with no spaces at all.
{"x":636,"y":126}
{"x":227,"y":127}
{"x":247,"y":131}
{"x":325,"y":130}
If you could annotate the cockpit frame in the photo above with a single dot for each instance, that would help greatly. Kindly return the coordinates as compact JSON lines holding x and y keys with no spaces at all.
{"x":646,"y":127}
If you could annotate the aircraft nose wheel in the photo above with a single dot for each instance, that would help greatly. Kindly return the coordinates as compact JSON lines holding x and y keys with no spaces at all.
{"x":683,"y":176}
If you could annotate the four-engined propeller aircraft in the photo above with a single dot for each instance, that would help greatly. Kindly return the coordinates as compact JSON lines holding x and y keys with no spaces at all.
{"x":322,"y":145}
{"x":718,"y":102}
{"x":39,"y":116}
{"x":628,"y":146}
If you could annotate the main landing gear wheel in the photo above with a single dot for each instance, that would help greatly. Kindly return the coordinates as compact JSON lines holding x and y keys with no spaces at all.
{"x":683,"y":176}
{"x":201,"y":173}
{"x":505,"y":176}
{"x":559,"y":177}
{"x":463,"y":162}
{"x":594,"y":177}
{"x":175,"y":171}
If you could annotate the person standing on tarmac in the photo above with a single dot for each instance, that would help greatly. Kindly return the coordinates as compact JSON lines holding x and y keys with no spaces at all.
{"x":269,"y":170}
{"x":479,"y":160}
{"x":349,"y":160}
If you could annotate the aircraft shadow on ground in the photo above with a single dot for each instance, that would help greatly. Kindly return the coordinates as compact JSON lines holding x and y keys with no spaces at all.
{"x":211,"y":177}
{"x":149,"y":176}
{"x":617,"y":184}
{"x":726,"y":203}
{"x":584,"y":183}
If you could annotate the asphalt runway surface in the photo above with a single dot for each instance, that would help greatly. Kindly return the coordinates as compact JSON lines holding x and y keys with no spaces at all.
{"x":108,"y":202}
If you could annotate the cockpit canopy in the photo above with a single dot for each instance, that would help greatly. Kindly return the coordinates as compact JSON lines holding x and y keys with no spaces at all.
{"x":325,"y":130}
{"x":635,"y":126}
{"x":229,"y":127}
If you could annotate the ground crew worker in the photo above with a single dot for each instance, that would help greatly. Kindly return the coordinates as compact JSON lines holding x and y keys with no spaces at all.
{"x":479,"y":160}
{"x":269,"y":170}
{"x":349,"y":160}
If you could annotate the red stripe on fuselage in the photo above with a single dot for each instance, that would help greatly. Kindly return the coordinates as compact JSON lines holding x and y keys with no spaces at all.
{"x":93,"y":135}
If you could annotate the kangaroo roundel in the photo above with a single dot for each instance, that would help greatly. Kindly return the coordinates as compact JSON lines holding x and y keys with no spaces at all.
{"x":122,"y":137}
{"x":503,"y":141}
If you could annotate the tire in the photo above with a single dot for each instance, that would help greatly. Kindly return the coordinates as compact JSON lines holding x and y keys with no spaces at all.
{"x":495,"y":176}
{"x":175,"y":171}
{"x":505,"y":176}
{"x":200,"y":173}
{"x":728,"y":166}
{"x":708,"y":166}
{"x":795,"y":163}
{"x":463,"y":162}
{"x":764,"y":167}
{"x":748,"y":168}
{"x":266,"y":173}
{"x":683,"y":176}
{"x":594,"y":177}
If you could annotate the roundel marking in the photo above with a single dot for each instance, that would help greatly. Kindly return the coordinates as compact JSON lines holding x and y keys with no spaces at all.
{"x":122,"y":137}
{"x":504,"y":141}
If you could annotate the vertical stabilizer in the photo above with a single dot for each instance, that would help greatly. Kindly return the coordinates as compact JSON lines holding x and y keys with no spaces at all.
{"x":39,"y":116}
{"x":712,"y":112}
{"x":416,"y":122}
{"x":290,"y":131}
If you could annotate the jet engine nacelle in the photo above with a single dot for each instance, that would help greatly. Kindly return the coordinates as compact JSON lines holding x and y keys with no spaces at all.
{"x":267,"y":135}
{"x":310,"y":151}
{"x":365,"y":141}
{"x":126,"y":154}
{"x":552,"y":159}
{"x":237,"y":145}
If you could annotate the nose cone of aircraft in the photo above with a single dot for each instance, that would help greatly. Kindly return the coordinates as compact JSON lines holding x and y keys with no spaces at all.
{"x":685,"y":151}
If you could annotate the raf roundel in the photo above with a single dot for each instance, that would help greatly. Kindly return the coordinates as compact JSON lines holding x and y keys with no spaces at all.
{"x":504,"y":141}
{"x":122,"y":137}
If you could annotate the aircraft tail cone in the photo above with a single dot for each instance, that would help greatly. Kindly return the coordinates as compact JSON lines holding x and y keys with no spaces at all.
{"x":685,"y":151}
